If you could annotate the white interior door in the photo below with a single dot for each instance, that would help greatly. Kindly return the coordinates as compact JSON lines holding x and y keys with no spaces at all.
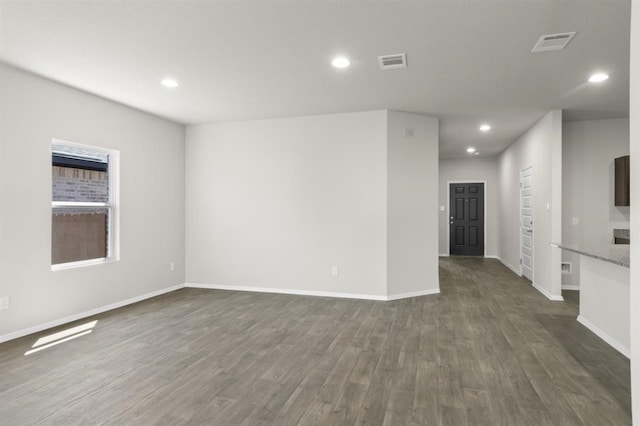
{"x":526,"y":222}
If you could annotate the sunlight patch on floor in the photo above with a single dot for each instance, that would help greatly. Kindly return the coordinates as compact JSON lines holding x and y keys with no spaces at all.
{"x":61,"y":337}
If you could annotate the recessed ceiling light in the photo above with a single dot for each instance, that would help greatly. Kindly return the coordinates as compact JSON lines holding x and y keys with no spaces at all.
{"x":476,"y":153}
{"x":169,"y":82}
{"x":340,"y":62}
{"x":471,"y":150}
{"x":485,"y":127}
{"x":597,"y":78}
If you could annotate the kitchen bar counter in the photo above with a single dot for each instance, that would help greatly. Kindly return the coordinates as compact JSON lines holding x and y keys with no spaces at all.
{"x":616,"y":254}
{"x":604,"y":292}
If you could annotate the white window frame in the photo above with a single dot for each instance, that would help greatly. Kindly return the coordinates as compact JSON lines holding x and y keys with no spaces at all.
{"x":113,"y":233}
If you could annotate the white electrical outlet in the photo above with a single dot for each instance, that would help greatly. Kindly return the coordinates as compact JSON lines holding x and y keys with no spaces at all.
{"x":575,"y":221}
{"x":4,"y":303}
{"x":172,"y":266}
{"x":334,"y":271}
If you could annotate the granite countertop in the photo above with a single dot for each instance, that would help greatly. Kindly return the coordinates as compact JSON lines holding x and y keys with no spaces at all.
{"x":617,"y":254}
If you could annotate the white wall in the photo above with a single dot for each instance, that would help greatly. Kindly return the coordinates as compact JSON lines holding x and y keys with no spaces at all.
{"x":275,"y":204}
{"x":540,"y":147}
{"x":635,"y":212}
{"x":588,"y":152}
{"x":34,"y":110}
{"x":470,"y":170}
{"x":412,"y":209}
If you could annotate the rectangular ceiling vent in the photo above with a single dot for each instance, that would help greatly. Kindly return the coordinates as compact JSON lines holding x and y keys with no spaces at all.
{"x":550,"y":42}
{"x":390,"y":62}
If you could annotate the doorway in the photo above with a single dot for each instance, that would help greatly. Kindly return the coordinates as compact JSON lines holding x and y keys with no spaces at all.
{"x":526,"y":223}
{"x":466,"y":219}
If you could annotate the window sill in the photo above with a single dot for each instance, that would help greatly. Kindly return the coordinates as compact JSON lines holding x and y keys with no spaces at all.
{"x":82,"y":263}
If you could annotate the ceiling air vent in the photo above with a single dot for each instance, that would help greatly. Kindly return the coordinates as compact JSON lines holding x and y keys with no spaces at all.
{"x":550,"y":42}
{"x":389,"y":62}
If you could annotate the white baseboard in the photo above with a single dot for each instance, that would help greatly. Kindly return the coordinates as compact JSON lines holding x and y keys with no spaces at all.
{"x":488,"y":256}
{"x":547,"y":294}
{"x":508,"y":265}
{"x":413,"y":294}
{"x":75,"y":317}
{"x":604,"y":336}
{"x":287,"y":291}
{"x":313,"y":292}
{"x":570,"y":287}
{"x":536,"y":286}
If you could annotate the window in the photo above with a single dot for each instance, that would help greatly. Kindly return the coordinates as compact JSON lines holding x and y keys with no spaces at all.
{"x":83,"y":204}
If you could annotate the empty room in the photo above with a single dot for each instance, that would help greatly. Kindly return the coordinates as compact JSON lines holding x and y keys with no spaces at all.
{"x":283,"y":212}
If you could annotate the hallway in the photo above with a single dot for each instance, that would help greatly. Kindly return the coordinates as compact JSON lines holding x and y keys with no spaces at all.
{"x":534,"y":352}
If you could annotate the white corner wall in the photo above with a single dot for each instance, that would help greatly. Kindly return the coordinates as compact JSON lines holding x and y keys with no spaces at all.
{"x":635,"y":212}
{"x":34,"y":110}
{"x":588,"y":152}
{"x":412,"y":204}
{"x":540,"y":147}
{"x":482,"y":169}
{"x":275,"y":205}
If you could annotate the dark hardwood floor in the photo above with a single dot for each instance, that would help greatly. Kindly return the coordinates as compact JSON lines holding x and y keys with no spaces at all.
{"x":488,"y":350}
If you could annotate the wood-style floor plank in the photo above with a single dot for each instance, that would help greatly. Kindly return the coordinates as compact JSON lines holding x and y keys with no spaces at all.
{"x":488,"y":350}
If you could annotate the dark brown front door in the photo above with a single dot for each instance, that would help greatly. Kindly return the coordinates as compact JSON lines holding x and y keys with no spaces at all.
{"x":466,"y":219}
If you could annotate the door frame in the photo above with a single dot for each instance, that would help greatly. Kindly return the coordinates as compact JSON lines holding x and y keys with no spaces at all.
{"x":533,"y":259}
{"x":448,"y":210}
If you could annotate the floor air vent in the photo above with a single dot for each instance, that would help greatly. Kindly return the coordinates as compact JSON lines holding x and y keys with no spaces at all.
{"x":389,"y":62}
{"x":550,"y":42}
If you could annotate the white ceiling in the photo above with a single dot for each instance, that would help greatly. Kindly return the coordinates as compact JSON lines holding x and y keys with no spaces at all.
{"x":470,"y":61}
